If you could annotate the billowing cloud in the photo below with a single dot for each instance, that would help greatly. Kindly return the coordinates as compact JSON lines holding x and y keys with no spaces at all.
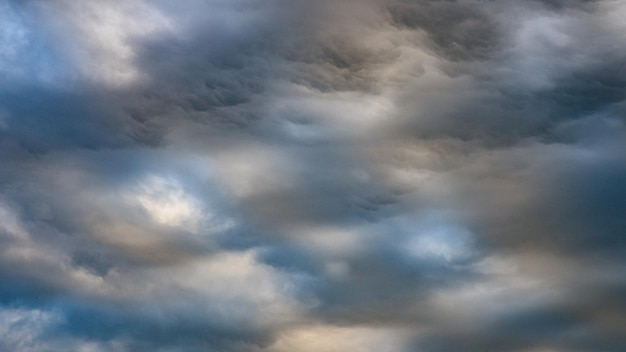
{"x":270,"y":176}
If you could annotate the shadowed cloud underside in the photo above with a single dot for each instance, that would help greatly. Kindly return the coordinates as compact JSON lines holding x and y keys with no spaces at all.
{"x":324,"y":176}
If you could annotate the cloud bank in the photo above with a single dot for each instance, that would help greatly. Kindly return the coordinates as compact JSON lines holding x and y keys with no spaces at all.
{"x":271,"y":176}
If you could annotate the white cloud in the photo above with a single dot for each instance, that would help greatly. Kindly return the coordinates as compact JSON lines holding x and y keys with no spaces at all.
{"x":20,"y":329}
{"x":443,"y":243}
{"x":334,"y":241}
{"x":13,"y":37}
{"x":329,"y":338}
{"x":230,"y":289}
{"x":28,"y":330}
{"x":24,"y":53}
{"x":167,"y":203}
{"x":254,"y":169}
{"x":101,"y":35}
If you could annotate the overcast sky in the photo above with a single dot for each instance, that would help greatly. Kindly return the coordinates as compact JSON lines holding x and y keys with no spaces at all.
{"x":313,"y":175}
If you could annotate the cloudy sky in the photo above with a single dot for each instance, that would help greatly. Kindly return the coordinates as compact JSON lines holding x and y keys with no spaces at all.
{"x":312,"y":175}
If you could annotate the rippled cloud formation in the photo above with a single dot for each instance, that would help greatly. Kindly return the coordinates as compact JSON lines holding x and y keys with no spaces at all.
{"x":323,"y":176}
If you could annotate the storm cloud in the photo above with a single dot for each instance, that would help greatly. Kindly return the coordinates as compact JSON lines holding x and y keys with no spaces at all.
{"x":279,"y":176}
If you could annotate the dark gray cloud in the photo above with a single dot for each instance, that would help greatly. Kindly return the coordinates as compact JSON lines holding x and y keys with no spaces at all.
{"x":361,"y":175}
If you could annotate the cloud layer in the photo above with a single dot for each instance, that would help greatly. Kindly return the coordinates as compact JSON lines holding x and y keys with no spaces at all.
{"x":271,"y":176}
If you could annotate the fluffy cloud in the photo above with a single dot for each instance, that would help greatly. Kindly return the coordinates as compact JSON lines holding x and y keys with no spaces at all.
{"x":371,"y":175}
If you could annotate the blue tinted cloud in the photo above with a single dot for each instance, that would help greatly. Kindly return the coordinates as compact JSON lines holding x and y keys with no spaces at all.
{"x":312,"y":176}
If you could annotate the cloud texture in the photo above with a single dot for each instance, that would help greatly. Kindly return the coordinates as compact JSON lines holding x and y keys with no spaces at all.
{"x":352,"y":175}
